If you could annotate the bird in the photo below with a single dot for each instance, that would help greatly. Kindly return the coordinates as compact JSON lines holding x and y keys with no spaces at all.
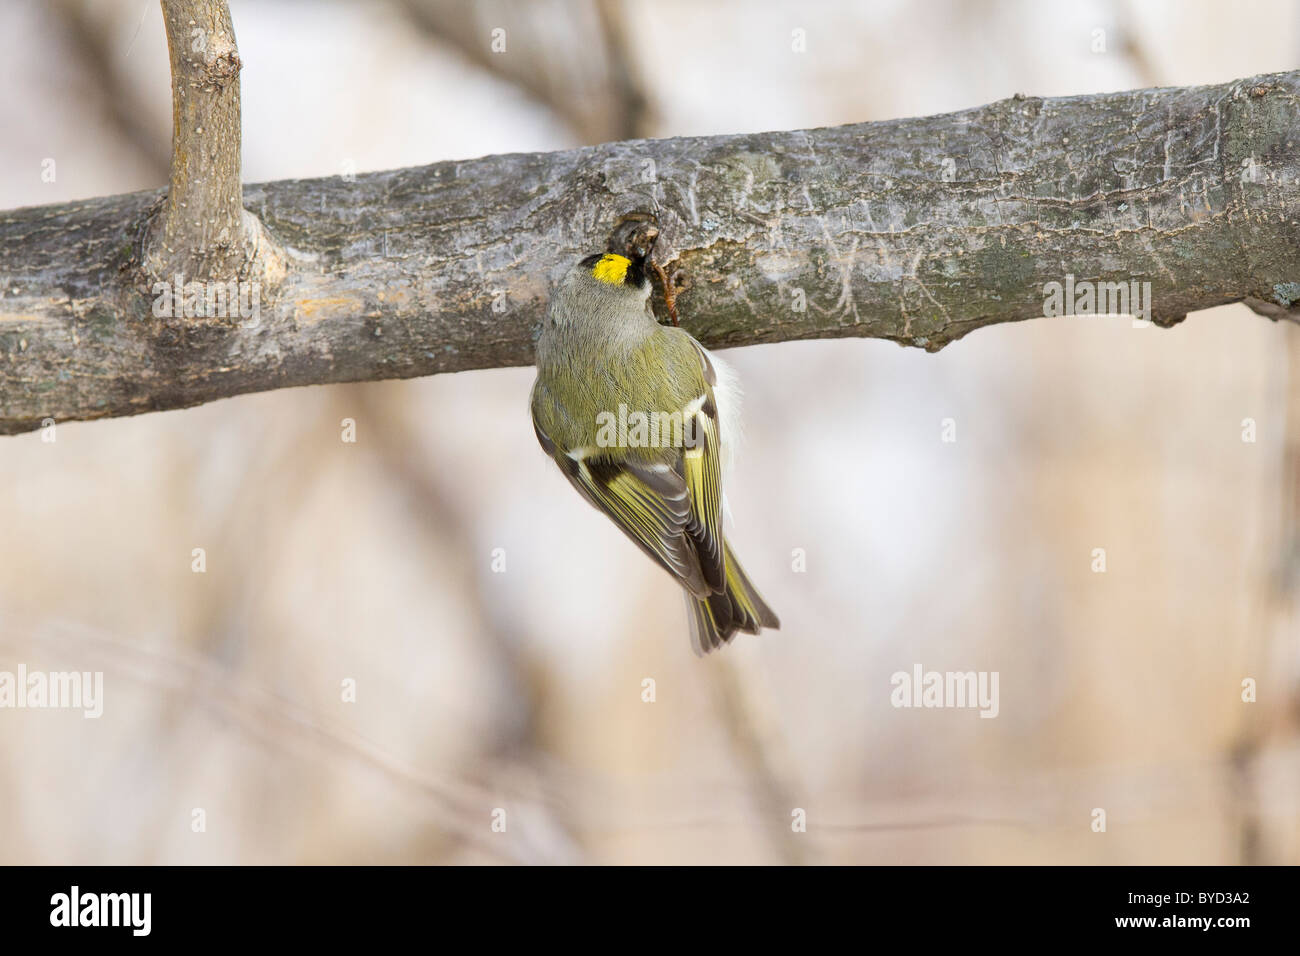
{"x":640,"y":418}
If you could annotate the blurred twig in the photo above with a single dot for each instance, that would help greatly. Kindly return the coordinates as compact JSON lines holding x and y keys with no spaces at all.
{"x":87,"y":32}
{"x":595,"y":94}
{"x":457,"y":807}
{"x":448,"y":531}
{"x":742,"y":722}
{"x":630,"y":101}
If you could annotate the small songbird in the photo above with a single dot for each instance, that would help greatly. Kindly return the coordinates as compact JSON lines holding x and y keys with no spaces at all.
{"x":637,"y":414}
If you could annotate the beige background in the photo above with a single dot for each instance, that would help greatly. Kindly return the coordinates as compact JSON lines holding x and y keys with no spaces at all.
{"x":522,"y":690}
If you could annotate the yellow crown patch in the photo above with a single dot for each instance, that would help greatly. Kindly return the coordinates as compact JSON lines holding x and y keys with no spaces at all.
{"x":611,"y":268}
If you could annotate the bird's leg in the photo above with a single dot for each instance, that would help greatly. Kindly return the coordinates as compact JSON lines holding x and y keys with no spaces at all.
{"x":634,"y":236}
{"x":672,"y":286}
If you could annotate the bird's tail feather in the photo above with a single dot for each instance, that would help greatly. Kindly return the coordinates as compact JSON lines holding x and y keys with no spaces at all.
{"x":739,"y":607}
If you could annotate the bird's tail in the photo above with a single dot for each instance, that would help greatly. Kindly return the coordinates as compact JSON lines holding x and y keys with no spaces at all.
{"x":738,"y":607}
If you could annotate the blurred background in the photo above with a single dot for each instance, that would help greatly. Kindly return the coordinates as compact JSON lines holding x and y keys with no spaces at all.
{"x":499,"y":631}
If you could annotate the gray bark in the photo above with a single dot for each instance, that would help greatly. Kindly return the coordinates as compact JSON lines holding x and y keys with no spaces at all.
{"x":918,"y":231}
{"x":202,"y":230}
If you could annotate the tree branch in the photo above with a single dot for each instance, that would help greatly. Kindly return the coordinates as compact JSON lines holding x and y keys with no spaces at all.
{"x":917,"y":231}
{"x":203,"y":231}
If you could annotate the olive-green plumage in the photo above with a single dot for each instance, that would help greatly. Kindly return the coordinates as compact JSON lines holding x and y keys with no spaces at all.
{"x":602,"y":360}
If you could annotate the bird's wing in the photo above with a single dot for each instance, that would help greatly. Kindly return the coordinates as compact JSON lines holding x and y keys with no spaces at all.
{"x":671,"y":509}
{"x":702,"y":471}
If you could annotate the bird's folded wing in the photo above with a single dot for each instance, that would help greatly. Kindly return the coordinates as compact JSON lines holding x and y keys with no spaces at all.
{"x":702,"y":470}
{"x":650,"y":502}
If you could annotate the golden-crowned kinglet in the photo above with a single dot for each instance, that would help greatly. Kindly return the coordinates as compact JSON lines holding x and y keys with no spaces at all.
{"x":636,"y":415}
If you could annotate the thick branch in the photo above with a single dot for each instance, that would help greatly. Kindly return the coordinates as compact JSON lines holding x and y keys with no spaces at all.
{"x":913,"y":230}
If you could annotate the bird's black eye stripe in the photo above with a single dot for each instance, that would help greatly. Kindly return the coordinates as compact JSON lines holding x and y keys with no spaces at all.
{"x":591,"y":260}
{"x":635,"y":273}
